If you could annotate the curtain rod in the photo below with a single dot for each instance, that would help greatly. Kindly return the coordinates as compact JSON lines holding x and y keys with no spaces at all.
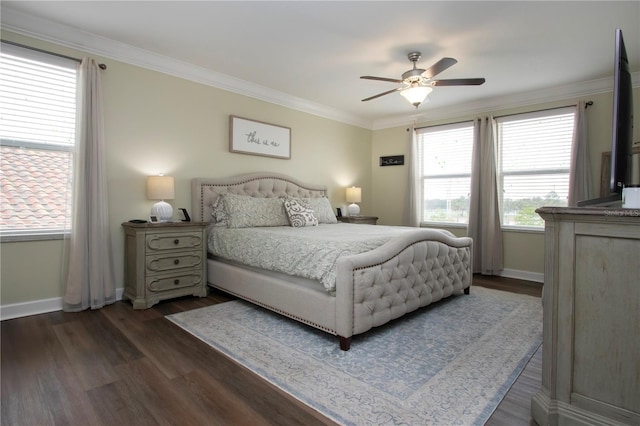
{"x":587,"y":105}
{"x":443,"y":124}
{"x":101,"y":66}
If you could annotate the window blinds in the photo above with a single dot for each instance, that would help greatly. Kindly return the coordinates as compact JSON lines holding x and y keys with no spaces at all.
{"x":38,"y":93}
{"x":534,"y":159}
{"x":445,"y":163}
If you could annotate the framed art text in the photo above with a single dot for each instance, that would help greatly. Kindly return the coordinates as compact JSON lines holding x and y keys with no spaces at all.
{"x":257,"y":138}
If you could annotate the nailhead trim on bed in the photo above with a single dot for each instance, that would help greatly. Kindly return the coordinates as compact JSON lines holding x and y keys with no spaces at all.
{"x":280,"y":311}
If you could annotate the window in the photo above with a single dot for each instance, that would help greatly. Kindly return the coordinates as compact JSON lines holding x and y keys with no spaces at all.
{"x":37,"y":134}
{"x":534,"y":157}
{"x":445,"y":167}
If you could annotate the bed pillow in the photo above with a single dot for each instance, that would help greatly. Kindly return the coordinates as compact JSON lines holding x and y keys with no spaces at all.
{"x":321,"y":207}
{"x":299,"y":215}
{"x":219,"y":213}
{"x":244,"y":211}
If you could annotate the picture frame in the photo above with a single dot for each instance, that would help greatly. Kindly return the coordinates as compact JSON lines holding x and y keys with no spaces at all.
{"x":153,"y":219}
{"x":392,"y":160}
{"x":185,"y":214}
{"x":254,"y":137}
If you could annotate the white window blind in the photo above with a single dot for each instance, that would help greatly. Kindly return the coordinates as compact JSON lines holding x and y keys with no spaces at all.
{"x":534,"y":158}
{"x":37,"y":134}
{"x":445,"y":165}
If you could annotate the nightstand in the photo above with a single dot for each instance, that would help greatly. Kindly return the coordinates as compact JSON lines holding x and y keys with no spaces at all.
{"x":164,"y":260}
{"x":368,"y":220}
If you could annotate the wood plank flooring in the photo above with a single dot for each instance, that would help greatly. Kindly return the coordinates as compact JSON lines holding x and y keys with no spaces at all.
{"x":117,"y":366}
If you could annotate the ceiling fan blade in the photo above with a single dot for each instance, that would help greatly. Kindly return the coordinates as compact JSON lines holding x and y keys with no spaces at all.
{"x":392,"y":80}
{"x":458,"y":82}
{"x":438,"y":67}
{"x":382,"y":94}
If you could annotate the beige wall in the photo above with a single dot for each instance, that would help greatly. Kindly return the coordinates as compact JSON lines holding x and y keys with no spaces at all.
{"x":523,"y":251}
{"x":156,"y":123}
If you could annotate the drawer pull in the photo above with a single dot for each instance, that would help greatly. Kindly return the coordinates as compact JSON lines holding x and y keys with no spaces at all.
{"x":176,"y":282}
{"x":177,"y":261}
{"x":176,"y":241}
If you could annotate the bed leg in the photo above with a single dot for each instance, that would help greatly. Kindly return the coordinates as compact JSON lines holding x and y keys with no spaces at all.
{"x":345,"y":343}
{"x":466,"y":290}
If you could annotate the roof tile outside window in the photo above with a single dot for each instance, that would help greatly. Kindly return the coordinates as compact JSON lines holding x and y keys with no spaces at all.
{"x":35,"y":189}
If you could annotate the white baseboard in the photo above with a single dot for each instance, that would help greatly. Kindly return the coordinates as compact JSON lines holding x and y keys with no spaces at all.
{"x":523,"y":275}
{"x":35,"y":307}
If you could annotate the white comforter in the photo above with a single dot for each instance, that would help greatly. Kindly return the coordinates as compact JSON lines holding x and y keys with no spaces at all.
{"x":309,"y":252}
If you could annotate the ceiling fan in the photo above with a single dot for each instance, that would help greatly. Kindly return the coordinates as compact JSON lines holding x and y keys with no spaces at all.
{"x":418,"y":82}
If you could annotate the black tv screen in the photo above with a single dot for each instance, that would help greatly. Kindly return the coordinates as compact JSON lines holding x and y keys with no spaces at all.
{"x":621,"y":140}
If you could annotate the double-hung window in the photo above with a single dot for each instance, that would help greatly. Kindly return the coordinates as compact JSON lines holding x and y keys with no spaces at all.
{"x":534,"y":158}
{"x":37,"y":135}
{"x":444,"y":154}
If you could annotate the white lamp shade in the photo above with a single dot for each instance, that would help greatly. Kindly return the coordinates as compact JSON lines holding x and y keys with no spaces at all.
{"x":160,"y":188}
{"x":354,"y":195}
{"x":416,"y":94}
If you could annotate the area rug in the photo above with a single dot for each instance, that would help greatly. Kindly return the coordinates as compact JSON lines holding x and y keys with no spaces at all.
{"x":447,"y":364}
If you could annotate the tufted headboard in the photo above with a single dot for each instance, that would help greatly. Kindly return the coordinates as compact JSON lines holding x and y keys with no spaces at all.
{"x":205,"y":191}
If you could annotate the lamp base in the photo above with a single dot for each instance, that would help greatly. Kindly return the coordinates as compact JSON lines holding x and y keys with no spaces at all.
{"x":353,"y":209}
{"x":162,"y":210}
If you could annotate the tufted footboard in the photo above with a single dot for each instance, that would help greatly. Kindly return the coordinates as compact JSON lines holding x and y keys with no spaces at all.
{"x":401,"y":276}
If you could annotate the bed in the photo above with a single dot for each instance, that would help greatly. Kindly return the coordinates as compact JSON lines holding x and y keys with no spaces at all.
{"x":404,"y":272}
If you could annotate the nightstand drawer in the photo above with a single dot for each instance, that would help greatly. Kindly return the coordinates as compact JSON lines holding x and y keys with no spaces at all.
{"x":174,"y":261}
{"x":173,"y":241}
{"x":174,"y":281}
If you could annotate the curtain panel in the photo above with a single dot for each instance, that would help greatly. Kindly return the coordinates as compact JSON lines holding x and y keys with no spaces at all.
{"x":89,"y":277}
{"x":413,"y":214}
{"x":484,"y":209}
{"x":580,"y":185}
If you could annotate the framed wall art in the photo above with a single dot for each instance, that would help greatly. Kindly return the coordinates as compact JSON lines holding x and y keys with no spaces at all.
{"x":258,"y":138}
{"x":392,"y":160}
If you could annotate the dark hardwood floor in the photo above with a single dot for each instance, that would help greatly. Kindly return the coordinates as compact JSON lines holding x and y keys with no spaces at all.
{"x":117,"y":366}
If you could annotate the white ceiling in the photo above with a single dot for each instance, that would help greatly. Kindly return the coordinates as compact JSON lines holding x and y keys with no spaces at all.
{"x":309,"y":55}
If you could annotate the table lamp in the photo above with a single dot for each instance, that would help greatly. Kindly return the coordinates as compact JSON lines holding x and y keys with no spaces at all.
{"x":161,"y":188}
{"x":354,"y":195}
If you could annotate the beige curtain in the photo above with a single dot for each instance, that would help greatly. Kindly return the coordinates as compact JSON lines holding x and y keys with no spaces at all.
{"x":580,"y":187}
{"x":484,"y":210}
{"x":89,"y":277}
{"x":413,"y":214}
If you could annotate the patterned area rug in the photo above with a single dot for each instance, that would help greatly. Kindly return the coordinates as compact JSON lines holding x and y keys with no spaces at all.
{"x":451,"y":363}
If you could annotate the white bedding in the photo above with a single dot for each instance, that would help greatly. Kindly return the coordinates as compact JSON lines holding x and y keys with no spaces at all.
{"x":309,"y":252}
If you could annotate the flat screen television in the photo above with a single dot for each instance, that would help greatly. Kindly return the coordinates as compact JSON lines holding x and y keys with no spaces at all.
{"x":622,"y":120}
{"x":622,"y":127}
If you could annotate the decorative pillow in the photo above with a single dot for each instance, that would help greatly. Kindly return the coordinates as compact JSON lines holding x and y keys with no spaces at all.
{"x":321,"y":209}
{"x":299,"y":215}
{"x":219,"y":213}
{"x":244,"y":211}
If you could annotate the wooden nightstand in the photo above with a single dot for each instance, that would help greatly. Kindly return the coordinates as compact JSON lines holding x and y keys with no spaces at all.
{"x":368,"y":220}
{"x":164,"y":260}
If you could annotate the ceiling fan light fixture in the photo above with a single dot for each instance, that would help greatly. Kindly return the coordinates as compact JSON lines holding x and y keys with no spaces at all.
{"x":416,"y":94}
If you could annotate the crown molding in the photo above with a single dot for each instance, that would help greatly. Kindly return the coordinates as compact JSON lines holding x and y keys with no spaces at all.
{"x":76,"y":39}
